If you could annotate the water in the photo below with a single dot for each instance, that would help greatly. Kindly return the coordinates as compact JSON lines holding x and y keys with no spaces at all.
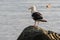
{"x":15,"y":16}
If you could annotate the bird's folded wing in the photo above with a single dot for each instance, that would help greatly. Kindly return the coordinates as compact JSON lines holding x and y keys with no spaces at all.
{"x":42,"y":20}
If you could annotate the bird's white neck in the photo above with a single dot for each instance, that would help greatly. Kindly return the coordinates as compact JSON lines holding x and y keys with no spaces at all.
{"x":33,"y":9}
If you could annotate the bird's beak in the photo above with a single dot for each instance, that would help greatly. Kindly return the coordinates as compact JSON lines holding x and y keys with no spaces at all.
{"x":29,"y":8}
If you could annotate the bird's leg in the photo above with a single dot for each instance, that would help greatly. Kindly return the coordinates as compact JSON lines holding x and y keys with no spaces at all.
{"x":35,"y":23}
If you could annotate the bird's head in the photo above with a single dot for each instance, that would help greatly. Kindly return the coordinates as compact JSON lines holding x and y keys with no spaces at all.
{"x":33,"y":9}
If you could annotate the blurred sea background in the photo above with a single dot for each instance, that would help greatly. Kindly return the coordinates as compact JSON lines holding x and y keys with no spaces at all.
{"x":15,"y":16}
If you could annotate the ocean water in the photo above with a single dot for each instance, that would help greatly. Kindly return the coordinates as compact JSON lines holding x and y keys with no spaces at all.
{"x":15,"y":16}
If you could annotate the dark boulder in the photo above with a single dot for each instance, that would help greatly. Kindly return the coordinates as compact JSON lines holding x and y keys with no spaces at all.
{"x":35,"y":33}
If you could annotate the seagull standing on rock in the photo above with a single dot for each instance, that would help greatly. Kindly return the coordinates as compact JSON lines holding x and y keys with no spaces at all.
{"x":36,"y":16}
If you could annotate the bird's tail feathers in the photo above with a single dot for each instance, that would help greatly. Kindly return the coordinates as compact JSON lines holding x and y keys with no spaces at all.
{"x":42,"y":20}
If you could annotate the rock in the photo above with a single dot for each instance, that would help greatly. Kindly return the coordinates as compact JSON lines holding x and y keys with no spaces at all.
{"x":35,"y":33}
